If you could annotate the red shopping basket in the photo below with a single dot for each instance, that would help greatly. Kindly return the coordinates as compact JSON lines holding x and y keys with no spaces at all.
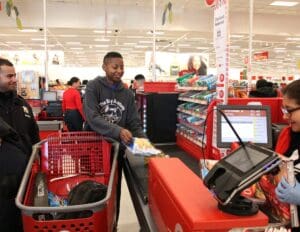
{"x":67,"y":159}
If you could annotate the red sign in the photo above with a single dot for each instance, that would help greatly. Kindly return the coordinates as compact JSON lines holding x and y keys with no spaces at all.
{"x":222,"y":77}
{"x":261,"y":56}
{"x":210,"y":3}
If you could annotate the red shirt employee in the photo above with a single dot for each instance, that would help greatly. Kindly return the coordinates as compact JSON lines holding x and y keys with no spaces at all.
{"x":72,"y":106}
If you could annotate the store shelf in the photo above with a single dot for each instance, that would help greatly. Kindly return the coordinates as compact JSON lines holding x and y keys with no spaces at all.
{"x":203,"y":102}
{"x":196,"y":114}
{"x":198,"y":129}
{"x":191,"y":146}
{"x":188,"y":88}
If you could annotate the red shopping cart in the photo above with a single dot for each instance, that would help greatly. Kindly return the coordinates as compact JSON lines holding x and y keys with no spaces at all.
{"x":68,"y":159}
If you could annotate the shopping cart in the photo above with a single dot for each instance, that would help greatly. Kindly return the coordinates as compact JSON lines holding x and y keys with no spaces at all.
{"x":67,"y":159}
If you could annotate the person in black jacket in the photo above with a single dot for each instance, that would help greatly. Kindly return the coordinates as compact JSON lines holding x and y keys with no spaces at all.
{"x":18,"y":132}
{"x":264,"y":88}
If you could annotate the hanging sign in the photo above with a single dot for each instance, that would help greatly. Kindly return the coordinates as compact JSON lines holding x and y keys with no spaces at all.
{"x":258,"y":56}
{"x":221,"y":43}
{"x":210,"y":3}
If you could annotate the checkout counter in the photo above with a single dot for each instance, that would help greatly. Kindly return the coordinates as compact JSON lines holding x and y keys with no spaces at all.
{"x":170,"y":197}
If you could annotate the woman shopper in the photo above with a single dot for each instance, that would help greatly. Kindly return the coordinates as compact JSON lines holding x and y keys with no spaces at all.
{"x":72,"y":106}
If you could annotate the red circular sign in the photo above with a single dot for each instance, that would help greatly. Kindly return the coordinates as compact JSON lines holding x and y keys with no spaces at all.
{"x":221,"y":77}
{"x":210,"y":2}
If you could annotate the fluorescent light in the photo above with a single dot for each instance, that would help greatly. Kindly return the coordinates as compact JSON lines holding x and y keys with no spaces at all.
{"x":28,"y":30}
{"x":279,"y":48}
{"x":77,"y":48}
{"x":48,"y":45}
{"x":37,"y":39}
{"x":283,"y":3}
{"x":73,"y":43}
{"x":101,"y":45}
{"x":67,"y":36}
{"x":102,"y":40}
{"x":293,"y":39}
{"x":202,"y":48}
{"x":102,"y":31}
{"x":13,"y":42}
{"x":236,"y":36}
{"x":129,"y":44}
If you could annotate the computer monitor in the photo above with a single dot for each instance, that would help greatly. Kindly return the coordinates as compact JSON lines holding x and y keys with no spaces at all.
{"x":251,"y":122}
{"x":50,"y":96}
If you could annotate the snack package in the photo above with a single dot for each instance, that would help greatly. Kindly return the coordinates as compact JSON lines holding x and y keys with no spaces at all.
{"x":143,"y":147}
{"x":55,"y":200}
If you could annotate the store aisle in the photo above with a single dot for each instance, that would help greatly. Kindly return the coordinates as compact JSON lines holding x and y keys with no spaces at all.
{"x":127,"y":220}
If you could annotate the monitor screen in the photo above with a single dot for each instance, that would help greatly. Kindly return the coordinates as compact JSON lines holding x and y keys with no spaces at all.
{"x":251,"y":122}
{"x":49,"y":96}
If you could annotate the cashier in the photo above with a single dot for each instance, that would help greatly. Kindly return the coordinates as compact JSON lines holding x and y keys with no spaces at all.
{"x":289,"y":140}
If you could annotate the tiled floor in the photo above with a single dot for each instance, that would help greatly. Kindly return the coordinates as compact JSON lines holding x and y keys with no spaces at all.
{"x":127,"y":220}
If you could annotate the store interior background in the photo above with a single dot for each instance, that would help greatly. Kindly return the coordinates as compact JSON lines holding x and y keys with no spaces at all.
{"x":82,"y":31}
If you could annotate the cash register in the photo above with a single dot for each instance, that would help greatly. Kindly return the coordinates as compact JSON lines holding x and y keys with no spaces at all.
{"x":245,"y":165}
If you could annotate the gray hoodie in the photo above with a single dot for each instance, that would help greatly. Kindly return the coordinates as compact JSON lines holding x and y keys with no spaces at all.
{"x":109,"y":108}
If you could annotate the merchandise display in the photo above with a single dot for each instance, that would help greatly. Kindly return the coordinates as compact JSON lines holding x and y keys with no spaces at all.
{"x":200,"y":91}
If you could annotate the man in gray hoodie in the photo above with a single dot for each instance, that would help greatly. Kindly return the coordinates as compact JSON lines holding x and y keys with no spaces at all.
{"x":110,"y":108}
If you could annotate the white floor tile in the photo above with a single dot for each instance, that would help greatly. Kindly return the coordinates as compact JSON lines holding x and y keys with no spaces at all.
{"x":128,"y":221}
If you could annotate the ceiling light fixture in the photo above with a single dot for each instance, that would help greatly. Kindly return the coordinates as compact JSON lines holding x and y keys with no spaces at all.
{"x":67,"y":36}
{"x":37,"y":39}
{"x":102,"y":31}
{"x":101,"y":45}
{"x":77,"y":48}
{"x":73,"y":43}
{"x":102,"y":40}
{"x":293,"y":39}
{"x":28,"y":30}
{"x":13,"y":42}
{"x":236,"y":36}
{"x":283,"y":3}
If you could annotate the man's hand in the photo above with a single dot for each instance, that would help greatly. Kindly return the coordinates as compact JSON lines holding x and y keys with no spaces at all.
{"x":125,"y":136}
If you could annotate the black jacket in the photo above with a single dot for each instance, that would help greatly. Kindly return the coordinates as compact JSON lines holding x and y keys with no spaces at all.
{"x":17,"y":113}
{"x":263,"y":92}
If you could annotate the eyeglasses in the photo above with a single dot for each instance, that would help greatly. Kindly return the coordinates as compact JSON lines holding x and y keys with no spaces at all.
{"x":289,"y":111}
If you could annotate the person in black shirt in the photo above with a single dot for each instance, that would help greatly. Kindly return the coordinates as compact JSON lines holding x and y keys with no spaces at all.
{"x":19,"y":132}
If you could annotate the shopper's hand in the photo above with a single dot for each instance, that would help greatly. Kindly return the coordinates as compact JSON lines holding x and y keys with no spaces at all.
{"x":287,"y":193}
{"x":125,"y":136}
